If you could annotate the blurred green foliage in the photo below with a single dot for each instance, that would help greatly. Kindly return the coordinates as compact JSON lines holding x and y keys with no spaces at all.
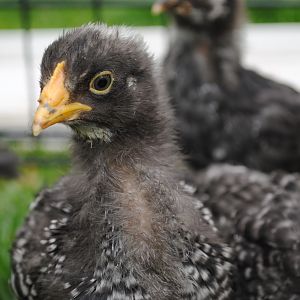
{"x":71,"y":17}
{"x":39,"y":169}
{"x":66,"y":17}
{"x":274,"y":15}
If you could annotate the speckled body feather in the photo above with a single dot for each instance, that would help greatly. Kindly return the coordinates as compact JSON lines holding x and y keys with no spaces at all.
{"x":119,"y":226}
{"x":226,"y":113}
{"x":258,"y":214}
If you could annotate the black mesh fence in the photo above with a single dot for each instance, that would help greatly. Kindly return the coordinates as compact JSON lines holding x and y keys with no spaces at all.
{"x":25,"y":7}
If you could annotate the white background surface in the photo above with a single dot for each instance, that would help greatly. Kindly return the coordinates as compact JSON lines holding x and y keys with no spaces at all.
{"x":273,"y":50}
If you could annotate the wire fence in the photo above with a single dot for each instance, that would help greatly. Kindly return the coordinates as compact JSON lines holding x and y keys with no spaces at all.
{"x":25,"y":8}
{"x":128,"y":3}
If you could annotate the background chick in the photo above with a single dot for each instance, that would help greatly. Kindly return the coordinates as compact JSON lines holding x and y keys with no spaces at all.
{"x":224,"y":112}
{"x":228,"y":113}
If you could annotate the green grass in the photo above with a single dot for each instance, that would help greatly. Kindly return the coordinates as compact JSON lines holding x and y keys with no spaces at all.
{"x":273,"y":15}
{"x":67,"y":17}
{"x":15,"y":197}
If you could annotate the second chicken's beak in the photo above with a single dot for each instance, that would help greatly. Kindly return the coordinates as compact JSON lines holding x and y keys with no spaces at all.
{"x":163,"y":6}
{"x":55,"y":106}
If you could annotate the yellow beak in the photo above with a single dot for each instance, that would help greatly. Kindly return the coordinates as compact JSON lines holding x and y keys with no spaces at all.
{"x":162,"y":6}
{"x":181,"y":7}
{"x":158,"y":8}
{"x":55,"y":106}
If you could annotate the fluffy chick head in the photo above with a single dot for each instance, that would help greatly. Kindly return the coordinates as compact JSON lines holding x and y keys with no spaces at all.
{"x":98,"y":80}
{"x":200,"y":14}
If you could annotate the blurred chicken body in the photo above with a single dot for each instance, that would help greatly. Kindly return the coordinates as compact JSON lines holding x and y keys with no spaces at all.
{"x":258,"y":215}
{"x":224,"y":112}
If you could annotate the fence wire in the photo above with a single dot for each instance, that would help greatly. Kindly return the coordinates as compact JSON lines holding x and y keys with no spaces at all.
{"x":26,"y":6}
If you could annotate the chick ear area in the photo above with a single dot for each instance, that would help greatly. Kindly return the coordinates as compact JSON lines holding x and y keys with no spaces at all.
{"x":131,"y":82}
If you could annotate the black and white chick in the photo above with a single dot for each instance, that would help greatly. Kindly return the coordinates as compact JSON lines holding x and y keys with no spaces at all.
{"x":224,"y":112}
{"x":118,"y":226}
{"x":258,"y":215}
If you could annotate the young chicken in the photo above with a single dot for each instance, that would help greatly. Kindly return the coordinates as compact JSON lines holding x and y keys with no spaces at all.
{"x":224,"y":112}
{"x":118,"y":226}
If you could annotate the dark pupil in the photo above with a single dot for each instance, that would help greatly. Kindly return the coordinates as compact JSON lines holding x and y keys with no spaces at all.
{"x":102,"y":83}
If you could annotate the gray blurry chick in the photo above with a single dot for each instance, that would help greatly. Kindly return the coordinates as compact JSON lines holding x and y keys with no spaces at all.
{"x":224,"y":112}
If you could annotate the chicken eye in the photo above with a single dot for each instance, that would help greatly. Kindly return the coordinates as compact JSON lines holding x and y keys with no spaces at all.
{"x":101,"y":84}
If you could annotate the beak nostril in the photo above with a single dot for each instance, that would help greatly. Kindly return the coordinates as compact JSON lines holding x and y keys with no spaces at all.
{"x":50,"y":109}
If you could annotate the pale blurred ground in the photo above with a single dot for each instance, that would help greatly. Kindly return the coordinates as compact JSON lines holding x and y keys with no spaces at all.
{"x":273,"y":50}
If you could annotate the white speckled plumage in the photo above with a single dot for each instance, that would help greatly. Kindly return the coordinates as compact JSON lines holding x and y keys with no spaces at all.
{"x":258,"y":214}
